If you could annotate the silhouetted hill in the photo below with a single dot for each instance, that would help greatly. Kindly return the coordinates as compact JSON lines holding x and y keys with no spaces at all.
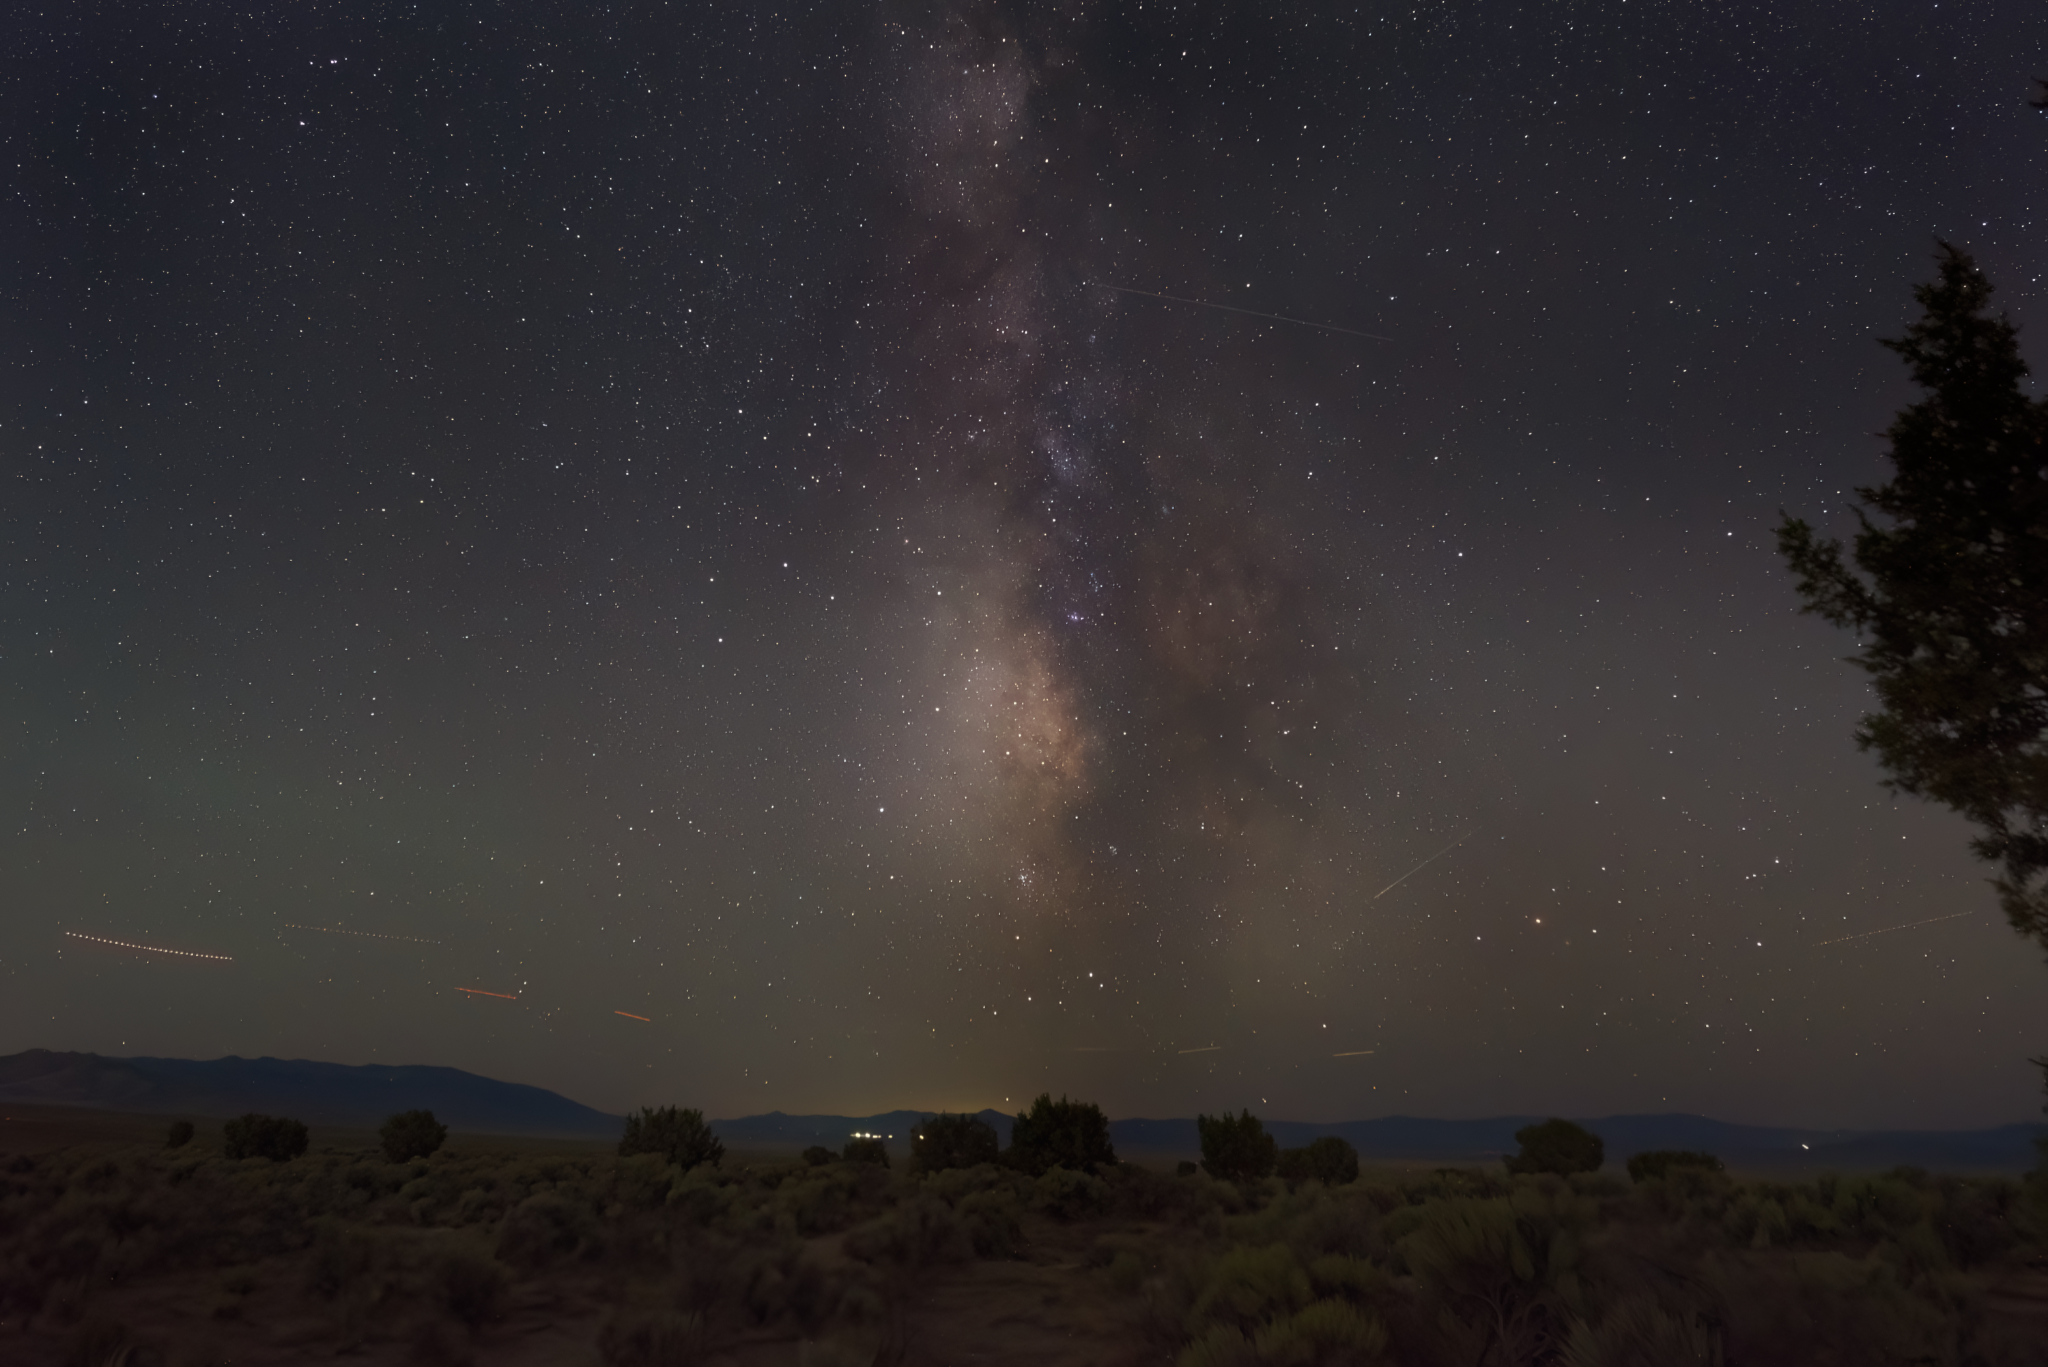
{"x":359,"y":1096}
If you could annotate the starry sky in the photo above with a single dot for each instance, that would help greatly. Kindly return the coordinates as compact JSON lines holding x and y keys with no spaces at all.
{"x":697,"y":520}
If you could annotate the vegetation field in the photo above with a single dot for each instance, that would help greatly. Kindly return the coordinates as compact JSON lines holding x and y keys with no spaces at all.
{"x":117,"y":1249}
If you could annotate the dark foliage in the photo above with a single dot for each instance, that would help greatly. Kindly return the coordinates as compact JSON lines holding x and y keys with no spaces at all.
{"x":1951,"y":602}
{"x":872,"y":1151}
{"x":180,"y":1135}
{"x":1236,"y":1148}
{"x":678,"y":1134}
{"x":1330,"y":1160}
{"x":1658,"y":1162}
{"x":817,"y":1155}
{"x":952,"y":1141}
{"x":278,"y":1138}
{"x":411,"y":1134}
{"x":1556,"y":1146}
{"x":1187,"y":1167}
{"x":1059,"y":1134}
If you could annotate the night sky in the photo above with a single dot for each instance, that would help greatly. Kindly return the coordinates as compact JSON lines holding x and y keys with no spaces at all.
{"x":658,"y":512}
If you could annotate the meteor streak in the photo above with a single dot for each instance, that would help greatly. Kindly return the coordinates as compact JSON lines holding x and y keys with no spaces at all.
{"x":629,"y":1014}
{"x":1253,"y":313}
{"x":478,"y":991}
{"x":1351,"y":1053}
{"x":153,"y":949}
{"x":1423,"y":865}
{"x":1205,"y":1049}
{"x":366,"y":934}
{"x":1866,"y":934}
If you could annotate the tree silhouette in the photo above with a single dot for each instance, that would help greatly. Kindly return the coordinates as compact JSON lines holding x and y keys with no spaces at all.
{"x":1060,"y":1134}
{"x":1236,"y":1148}
{"x":952,"y":1141}
{"x":678,"y":1134}
{"x":1556,"y":1146}
{"x":1951,"y":600}
{"x":411,"y":1134}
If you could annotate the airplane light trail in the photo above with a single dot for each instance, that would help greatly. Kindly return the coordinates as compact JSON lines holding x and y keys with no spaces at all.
{"x":481,"y":993}
{"x":1205,"y":1049}
{"x":1865,"y":934}
{"x":1351,"y":1053}
{"x":630,"y":1014}
{"x":153,"y":949}
{"x":366,"y":934}
{"x":1253,"y":313}
{"x":1423,"y":865}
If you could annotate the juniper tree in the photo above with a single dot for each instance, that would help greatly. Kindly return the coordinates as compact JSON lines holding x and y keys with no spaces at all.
{"x":1949,"y":593}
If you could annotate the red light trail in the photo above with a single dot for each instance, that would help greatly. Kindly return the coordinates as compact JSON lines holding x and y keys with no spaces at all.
{"x":510,"y":997}
{"x":629,"y":1013}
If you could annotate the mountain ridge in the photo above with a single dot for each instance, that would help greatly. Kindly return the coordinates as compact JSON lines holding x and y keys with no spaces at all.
{"x":360,"y":1096}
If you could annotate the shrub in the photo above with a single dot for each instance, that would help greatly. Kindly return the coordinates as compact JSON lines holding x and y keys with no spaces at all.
{"x":411,"y":1134}
{"x":1060,"y":1134}
{"x":1657,"y":1162}
{"x":872,"y":1151}
{"x":1247,"y":1287}
{"x":952,"y":1141}
{"x":992,"y":1224}
{"x":1236,"y":1148}
{"x":1330,"y":1160}
{"x":543,"y":1230}
{"x":1327,"y":1331}
{"x":1187,"y":1167}
{"x":1067,"y":1195}
{"x":265,"y":1136}
{"x":1556,"y":1146}
{"x":180,"y":1135}
{"x":660,"y":1338}
{"x":918,"y":1233}
{"x":471,"y":1284}
{"x":678,"y":1134}
{"x":817,"y":1155}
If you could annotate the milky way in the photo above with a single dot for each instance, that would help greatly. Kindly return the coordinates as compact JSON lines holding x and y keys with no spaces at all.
{"x":648,"y":533}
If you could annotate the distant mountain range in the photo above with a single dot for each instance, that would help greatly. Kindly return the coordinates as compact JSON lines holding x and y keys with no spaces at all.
{"x":361,"y":1096}
{"x":358,"y":1097}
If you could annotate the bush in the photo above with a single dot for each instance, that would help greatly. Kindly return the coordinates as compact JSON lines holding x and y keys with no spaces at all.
{"x":661,"y":1338}
{"x":1556,"y":1146}
{"x":676,"y":1133}
{"x":1187,"y":1167}
{"x":1068,"y":1195}
{"x":545,"y":1229}
{"x":872,"y":1151}
{"x":1060,"y":1134}
{"x":180,"y":1135}
{"x":1330,"y":1160}
{"x":817,"y":1155}
{"x":1236,"y":1149}
{"x":471,"y":1285}
{"x":1657,"y":1162}
{"x":1248,"y":1287}
{"x":411,"y":1134}
{"x":952,"y":1141}
{"x":265,"y":1136}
